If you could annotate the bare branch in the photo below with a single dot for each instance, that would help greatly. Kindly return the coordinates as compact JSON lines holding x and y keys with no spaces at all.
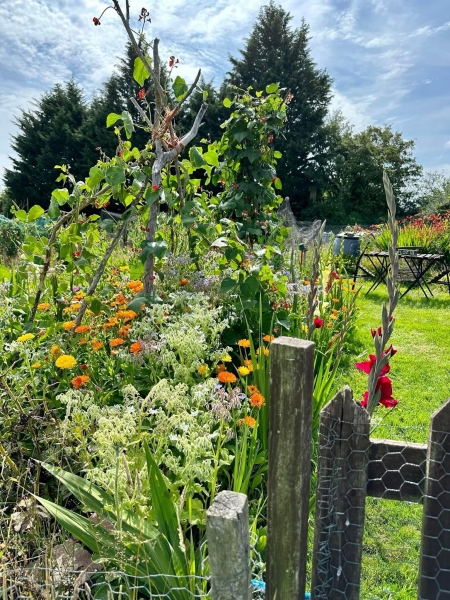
{"x":141,"y":111}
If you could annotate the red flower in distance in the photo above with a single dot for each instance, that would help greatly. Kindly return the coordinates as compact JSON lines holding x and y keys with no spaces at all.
{"x":142,"y":93}
{"x":173,"y":61}
{"x":318,"y":322}
{"x":384,"y":384}
{"x":154,"y":187}
{"x":96,"y":21}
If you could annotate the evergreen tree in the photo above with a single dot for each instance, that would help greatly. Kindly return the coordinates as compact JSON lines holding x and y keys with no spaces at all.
{"x":274,"y":53}
{"x":48,"y":135}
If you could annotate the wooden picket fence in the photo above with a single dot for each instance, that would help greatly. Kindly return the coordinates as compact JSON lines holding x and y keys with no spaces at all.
{"x":351,"y":466}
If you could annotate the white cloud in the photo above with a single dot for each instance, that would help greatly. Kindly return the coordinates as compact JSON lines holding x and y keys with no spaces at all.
{"x":447,"y":144}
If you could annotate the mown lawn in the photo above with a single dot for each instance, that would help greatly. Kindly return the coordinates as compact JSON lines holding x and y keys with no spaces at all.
{"x":421,"y":382}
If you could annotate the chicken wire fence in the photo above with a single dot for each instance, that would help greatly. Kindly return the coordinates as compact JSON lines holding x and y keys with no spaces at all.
{"x":382,"y":523}
{"x":62,"y":581}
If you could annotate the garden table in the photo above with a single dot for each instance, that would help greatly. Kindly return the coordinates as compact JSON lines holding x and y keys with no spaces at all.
{"x":413,"y":268}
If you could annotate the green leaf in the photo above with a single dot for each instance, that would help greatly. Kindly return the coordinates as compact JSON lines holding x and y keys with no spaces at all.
{"x":127,"y":123}
{"x":179,"y":87}
{"x":151,"y":195}
{"x":61,"y":196}
{"x":141,"y":299}
{"x":205,"y":95}
{"x":227,"y":103}
{"x":277,"y":183}
{"x":239,"y":136}
{"x":227,"y":285}
{"x":211,"y":158}
{"x":34,"y":213}
{"x":112,"y":118}
{"x":53,"y":210}
{"x":140,"y":71}
{"x":115,"y":176}
{"x":272,"y":88}
{"x":157,"y":248}
{"x":277,"y":154}
{"x":4,"y":273}
{"x":249,"y":288}
{"x":196,"y":157}
{"x":21,"y":215}
{"x":95,"y":177}
{"x":107,"y":225}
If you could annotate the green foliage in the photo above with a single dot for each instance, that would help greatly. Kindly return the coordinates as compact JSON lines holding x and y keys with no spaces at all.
{"x":276,"y":54}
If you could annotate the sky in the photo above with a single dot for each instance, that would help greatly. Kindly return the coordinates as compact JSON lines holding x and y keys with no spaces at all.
{"x":389,"y":59}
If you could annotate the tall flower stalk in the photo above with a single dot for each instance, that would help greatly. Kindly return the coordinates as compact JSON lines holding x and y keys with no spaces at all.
{"x":382,"y":335}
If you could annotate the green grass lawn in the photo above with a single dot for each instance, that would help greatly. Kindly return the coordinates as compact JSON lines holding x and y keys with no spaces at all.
{"x":421,"y":382}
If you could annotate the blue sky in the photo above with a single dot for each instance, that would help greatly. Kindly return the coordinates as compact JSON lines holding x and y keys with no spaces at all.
{"x":389,"y":59}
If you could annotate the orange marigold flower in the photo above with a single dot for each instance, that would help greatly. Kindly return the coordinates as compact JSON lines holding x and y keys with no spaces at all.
{"x":116,"y":342}
{"x":82,"y":341}
{"x":184,"y":281}
{"x":252,"y":389}
{"x":68,"y":325}
{"x":244,"y":343}
{"x":111,"y":322}
{"x":268,"y":338}
{"x":257,"y":400}
{"x":221,"y":368}
{"x":335,"y":300}
{"x":334,"y":311}
{"x":226,"y":377}
{"x":96,"y":345}
{"x":124,"y":331}
{"x":82,"y":329}
{"x":136,"y":347}
{"x":135,"y":286}
{"x":79,"y":381}
{"x":265,"y":350}
{"x":249,"y":421}
{"x":43,"y":306}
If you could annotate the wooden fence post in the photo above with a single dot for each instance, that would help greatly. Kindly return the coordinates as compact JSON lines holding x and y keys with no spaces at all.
{"x":434,"y":575}
{"x":291,"y":387}
{"x":227,"y":530}
{"x":340,"y":499}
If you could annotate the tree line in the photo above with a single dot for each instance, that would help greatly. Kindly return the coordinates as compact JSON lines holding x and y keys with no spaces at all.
{"x":327,"y":169}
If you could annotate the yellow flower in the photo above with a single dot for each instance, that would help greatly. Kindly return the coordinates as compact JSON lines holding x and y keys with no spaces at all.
{"x":56,"y":351}
{"x":334,"y":311}
{"x":243,"y":371}
{"x":226,"y":358}
{"x":249,"y":364}
{"x":304,"y":329}
{"x":68,"y":325}
{"x":244,"y":343}
{"x":265,"y":350}
{"x":202,"y":370}
{"x":25,"y":337}
{"x":43,"y":306}
{"x":66,"y":361}
{"x":36,"y":365}
{"x":124,"y":268}
{"x":335,"y":300}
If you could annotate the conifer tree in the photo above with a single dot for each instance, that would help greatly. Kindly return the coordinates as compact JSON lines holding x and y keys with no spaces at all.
{"x":48,"y":135}
{"x":276,"y":53}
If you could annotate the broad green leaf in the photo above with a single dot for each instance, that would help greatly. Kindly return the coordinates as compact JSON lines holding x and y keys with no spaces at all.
{"x":61,"y":196}
{"x":157,"y":248}
{"x":140,"y":71}
{"x":53,"y":210}
{"x":95,"y":177}
{"x":34,"y":213}
{"x":107,"y":225}
{"x":277,"y":183}
{"x":240,"y":135}
{"x":112,"y":118}
{"x":227,"y":103}
{"x":179,"y":87}
{"x":196,"y":157}
{"x":228,"y":285}
{"x":277,"y":154}
{"x":205,"y":95}
{"x":127,"y":123}
{"x":249,"y":288}
{"x":211,"y":158}
{"x":21,"y":215}
{"x":115,"y":176}
{"x":151,"y":195}
{"x":4,"y":273}
{"x":272,"y":88}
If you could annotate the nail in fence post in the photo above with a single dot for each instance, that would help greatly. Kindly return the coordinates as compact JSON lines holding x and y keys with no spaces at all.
{"x":227,"y":529}
{"x":434,"y":574}
{"x":291,"y":387}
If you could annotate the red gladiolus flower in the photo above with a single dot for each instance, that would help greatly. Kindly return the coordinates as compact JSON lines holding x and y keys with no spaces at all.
{"x":366,"y":365}
{"x":318,"y":322}
{"x":96,"y":21}
{"x":375,"y":332}
{"x":384,"y":384}
{"x":391,"y":350}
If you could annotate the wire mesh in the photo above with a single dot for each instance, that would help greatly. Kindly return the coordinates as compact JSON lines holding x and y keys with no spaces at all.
{"x":374,"y":547}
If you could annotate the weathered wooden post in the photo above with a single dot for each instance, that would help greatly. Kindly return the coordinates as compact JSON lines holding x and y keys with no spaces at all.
{"x":434,"y":576}
{"x":227,"y":529}
{"x":291,"y":387}
{"x":340,"y":499}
